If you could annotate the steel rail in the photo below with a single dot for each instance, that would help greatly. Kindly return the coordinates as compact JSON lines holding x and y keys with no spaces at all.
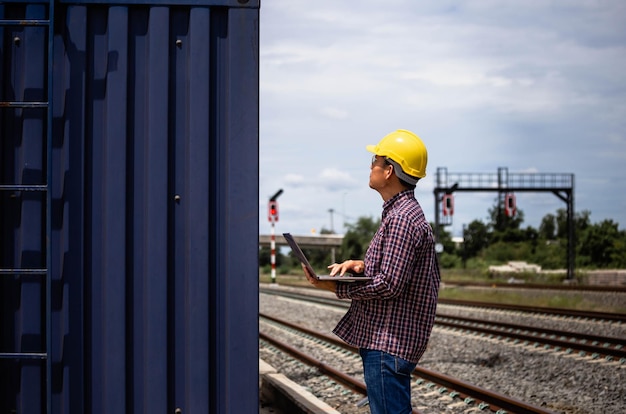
{"x":617,"y":350}
{"x":498,"y":401}
{"x":512,"y":326}
{"x":352,"y":383}
{"x":618,"y":317}
{"x":557,"y":343}
{"x":538,"y":286}
{"x":613,"y":317}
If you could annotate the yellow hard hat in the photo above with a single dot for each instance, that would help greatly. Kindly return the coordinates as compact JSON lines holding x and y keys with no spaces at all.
{"x":406,"y":150}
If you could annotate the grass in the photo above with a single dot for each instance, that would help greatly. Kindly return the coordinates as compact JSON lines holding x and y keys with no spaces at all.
{"x":535,"y":297}
{"x":290,"y":279}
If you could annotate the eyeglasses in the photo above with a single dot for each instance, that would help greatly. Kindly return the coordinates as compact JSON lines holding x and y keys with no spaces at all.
{"x":374,"y":159}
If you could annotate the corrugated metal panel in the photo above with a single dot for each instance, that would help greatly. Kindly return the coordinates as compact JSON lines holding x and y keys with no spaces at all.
{"x":155,"y":209}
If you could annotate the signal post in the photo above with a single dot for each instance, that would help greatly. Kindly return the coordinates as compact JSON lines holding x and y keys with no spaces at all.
{"x":272,"y":217}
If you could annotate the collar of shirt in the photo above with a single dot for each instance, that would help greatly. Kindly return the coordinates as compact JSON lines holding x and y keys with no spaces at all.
{"x":402,"y":195}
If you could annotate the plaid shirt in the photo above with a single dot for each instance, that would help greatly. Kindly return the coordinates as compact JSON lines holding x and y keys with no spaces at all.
{"x":395,"y":311}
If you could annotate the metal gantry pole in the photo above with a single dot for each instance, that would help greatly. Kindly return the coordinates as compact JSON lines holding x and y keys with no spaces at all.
{"x":560,"y":184}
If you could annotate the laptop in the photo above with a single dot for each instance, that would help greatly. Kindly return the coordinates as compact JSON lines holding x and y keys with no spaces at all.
{"x":347,"y":277}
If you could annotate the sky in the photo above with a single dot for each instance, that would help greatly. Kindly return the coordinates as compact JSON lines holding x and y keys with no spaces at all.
{"x":533,"y":86}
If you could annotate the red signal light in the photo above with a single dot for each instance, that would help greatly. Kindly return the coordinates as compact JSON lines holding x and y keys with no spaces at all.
{"x":272,"y":211}
{"x":448,"y":204}
{"x":510,"y":207}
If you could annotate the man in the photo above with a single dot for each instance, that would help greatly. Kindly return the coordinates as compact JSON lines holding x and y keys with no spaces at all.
{"x":391,"y":316}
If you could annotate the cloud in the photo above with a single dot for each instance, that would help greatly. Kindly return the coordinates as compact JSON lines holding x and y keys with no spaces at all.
{"x":328,"y":179}
{"x":294,"y":180}
{"x":533,"y":86}
{"x":335,"y":180}
{"x":334,"y":113}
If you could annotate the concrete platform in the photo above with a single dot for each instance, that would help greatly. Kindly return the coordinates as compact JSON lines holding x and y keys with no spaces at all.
{"x":280,"y":395}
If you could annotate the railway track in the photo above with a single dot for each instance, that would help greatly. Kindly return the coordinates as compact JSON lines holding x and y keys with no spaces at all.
{"x":457,"y":395}
{"x":568,"y":313}
{"x":571,"y":313}
{"x":561,"y":380}
{"x":595,"y":346}
{"x":537,"y":286}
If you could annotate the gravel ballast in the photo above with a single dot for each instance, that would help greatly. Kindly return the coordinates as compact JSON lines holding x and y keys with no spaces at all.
{"x":555,"y":380}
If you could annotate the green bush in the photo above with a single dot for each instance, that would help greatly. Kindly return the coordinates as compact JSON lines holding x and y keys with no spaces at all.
{"x":449,"y":261}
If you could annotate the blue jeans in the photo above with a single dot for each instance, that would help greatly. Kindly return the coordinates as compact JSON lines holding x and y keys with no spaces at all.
{"x":388,"y":381}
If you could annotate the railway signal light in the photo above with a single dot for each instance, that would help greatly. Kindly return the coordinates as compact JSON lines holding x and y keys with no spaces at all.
{"x":272,"y":211}
{"x":510,"y":207}
{"x":448,"y":204}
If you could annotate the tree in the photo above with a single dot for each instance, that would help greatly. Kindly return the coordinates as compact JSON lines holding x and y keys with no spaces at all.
{"x":265,"y":256}
{"x":581,"y":222}
{"x":476,"y":237}
{"x":358,"y":237}
{"x":505,"y":228}
{"x":500,"y":222}
{"x":445,"y":238}
{"x":547,"y":228}
{"x":319,"y":257}
{"x":450,"y":257}
{"x":602,"y":245}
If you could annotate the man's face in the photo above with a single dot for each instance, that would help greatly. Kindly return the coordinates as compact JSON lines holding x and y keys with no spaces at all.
{"x":378,"y":172}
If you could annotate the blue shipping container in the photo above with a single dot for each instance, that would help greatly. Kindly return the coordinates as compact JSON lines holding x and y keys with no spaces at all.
{"x":129,"y":206}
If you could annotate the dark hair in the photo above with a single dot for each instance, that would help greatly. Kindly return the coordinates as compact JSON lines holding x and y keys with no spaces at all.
{"x":407,"y":185}
{"x":404,"y":183}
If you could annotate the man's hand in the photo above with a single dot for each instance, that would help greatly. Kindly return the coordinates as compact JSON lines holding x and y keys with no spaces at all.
{"x":350,"y":266}
{"x":320,"y":284}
